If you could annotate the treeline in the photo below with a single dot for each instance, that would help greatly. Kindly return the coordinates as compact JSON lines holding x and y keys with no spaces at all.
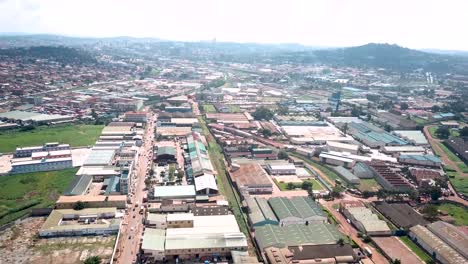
{"x":61,"y":54}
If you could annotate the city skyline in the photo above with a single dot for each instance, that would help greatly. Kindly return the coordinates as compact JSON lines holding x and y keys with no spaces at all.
{"x":417,"y":24}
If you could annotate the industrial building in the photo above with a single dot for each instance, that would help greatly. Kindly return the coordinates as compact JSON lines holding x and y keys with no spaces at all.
{"x":296,"y":235}
{"x":435,"y":246}
{"x":178,"y":192}
{"x":451,"y":235}
{"x":337,"y":160}
{"x":400,"y":214}
{"x":199,"y":160}
{"x":30,"y":165}
{"x":347,"y":175}
{"x":415,"y":137}
{"x":281,"y":169}
{"x":33,"y":118}
{"x":47,"y":147}
{"x":459,"y":146}
{"x":206,"y":185}
{"x":373,"y":136}
{"x":402,"y":150}
{"x":311,"y":254}
{"x":259,"y":212}
{"x":137,"y":117}
{"x":297,"y":210}
{"x":420,"y":160}
{"x":92,"y":201}
{"x":251,"y":178}
{"x":79,"y":185}
{"x":89,"y":221}
{"x":388,"y":177}
{"x":366,"y":221}
{"x":342,"y":147}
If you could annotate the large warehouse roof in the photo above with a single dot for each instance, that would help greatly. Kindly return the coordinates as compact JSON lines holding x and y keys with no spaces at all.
{"x":440,"y":247}
{"x":176,"y":190}
{"x":260,"y":211}
{"x":251,"y":175}
{"x":300,"y":207}
{"x":295,"y":235}
{"x":451,"y":235}
{"x":79,"y":185}
{"x":100,"y":157}
{"x":31,"y":116}
{"x":154,"y":239}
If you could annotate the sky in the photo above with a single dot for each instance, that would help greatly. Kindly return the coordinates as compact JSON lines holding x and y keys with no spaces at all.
{"x":418,"y":24}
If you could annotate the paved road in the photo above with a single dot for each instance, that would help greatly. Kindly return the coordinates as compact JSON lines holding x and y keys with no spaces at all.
{"x":348,"y":229}
{"x":132,"y":230}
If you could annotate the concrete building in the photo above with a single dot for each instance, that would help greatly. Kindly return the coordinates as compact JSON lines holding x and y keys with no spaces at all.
{"x":206,"y":185}
{"x":337,"y":160}
{"x":415,"y":137}
{"x":137,"y":117}
{"x":153,"y":243}
{"x":25,"y":166}
{"x":347,"y":175}
{"x":181,"y":220}
{"x":251,"y":178}
{"x":47,"y":147}
{"x":451,"y":235}
{"x":176,"y":192}
{"x":89,"y":221}
{"x":420,"y":160}
{"x":281,"y":169}
{"x":158,"y":221}
{"x":92,"y":201}
{"x":342,"y":147}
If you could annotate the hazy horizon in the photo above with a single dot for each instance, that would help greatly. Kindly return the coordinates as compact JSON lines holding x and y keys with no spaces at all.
{"x":331,"y":23}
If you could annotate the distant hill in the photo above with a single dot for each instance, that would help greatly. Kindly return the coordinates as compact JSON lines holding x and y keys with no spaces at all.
{"x":59,"y":54}
{"x":391,"y":57}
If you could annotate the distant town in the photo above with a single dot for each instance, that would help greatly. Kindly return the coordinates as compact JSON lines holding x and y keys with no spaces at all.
{"x":139,"y":151}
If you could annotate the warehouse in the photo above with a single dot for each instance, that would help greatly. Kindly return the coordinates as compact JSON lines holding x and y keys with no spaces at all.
{"x":281,"y":169}
{"x":165,"y":155}
{"x":373,"y":136}
{"x":459,"y":146}
{"x":52,"y":146}
{"x":347,"y":175}
{"x":415,"y":137}
{"x":99,"y":173}
{"x":297,"y":210}
{"x":251,"y":178}
{"x":388,"y":178}
{"x":35,"y":118}
{"x":366,"y":221}
{"x":421,"y":160}
{"x":99,"y":158}
{"x":25,"y":166}
{"x":400,"y":214}
{"x":424,"y":177}
{"x":311,"y":254}
{"x":296,"y":235}
{"x":327,"y":158}
{"x":435,"y":246}
{"x":401,"y":150}
{"x":89,"y":221}
{"x":92,"y":201}
{"x":260,"y":212}
{"x":153,"y":243}
{"x":451,"y":235}
{"x":206,"y":185}
{"x":200,"y":161}
{"x":137,"y":117}
{"x":179,"y":192}
{"x":362,"y":171}
{"x":342,"y":147}
{"x":79,"y":185}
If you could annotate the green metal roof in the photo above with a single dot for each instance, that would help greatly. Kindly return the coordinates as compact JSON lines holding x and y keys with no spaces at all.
{"x":295,"y":235}
{"x":166,"y":150}
{"x":300,"y":207}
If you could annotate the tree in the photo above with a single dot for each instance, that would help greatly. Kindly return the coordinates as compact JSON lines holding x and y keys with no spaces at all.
{"x":79,"y":205}
{"x":396,"y":261}
{"x":430,"y":212}
{"x":345,"y":128}
{"x":435,"y":108}
{"x":442,"y":132}
{"x":387,"y":127}
{"x":266,"y":132}
{"x":262,"y":113}
{"x":290,"y":186}
{"x":283,"y":155}
{"x":180,"y":175}
{"x":404,"y":106}
{"x":382,"y":194}
{"x":366,"y":194}
{"x":464,"y":132}
{"x":336,"y":192}
{"x":93,"y":260}
{"x":283,"y":110}
{"x":307,"y":185}
{"x":340,"y":241}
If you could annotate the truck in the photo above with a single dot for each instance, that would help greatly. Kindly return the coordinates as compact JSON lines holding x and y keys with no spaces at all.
{"x":367,"y":251}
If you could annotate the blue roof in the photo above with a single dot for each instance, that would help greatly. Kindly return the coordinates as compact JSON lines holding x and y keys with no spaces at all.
{"x":421,"y":157}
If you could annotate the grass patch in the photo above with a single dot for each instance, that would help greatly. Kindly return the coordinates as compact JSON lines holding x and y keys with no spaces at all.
{"x":420,"y":121}
{"x":316,"y":185}
{"x":80,"y":246}
{"x":21,"y":192}
{"x":417,"y":250}
{"x":234,"y":108}
{"x":75,"y":135}
{"x":457,"y":212}
{"x":449,"y":153}
{"x":370,"y":185}
{"x":209,"y":108}
{"x":462,"y":166}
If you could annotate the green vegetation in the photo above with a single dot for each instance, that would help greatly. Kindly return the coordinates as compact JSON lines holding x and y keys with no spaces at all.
{"x":462,"y":166}
{"x":75,"y":135}
{"x":449,"y":153}
{"x":76,"y":245}
{"x":235,"y":108}
{"x":21,"y":192}
{"x":459,"y":183}
{"x":316,"y":185}
{"x":370,"y":185}
{"x":93,"y":260}
{"x":441,"y":132}
{"x":459,"y":213}
{"x":262,"y":113}
{"x":209,"y":108}
{"x":417,"y":250}
{"x":216,"y":156}
{"x":419,"y":121}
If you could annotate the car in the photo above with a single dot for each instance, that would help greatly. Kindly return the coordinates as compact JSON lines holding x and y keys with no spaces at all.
{"x":134,"y":216}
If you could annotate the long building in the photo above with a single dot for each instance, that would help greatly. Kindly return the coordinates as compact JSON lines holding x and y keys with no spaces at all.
{"x":451,"y":235}
{"x":297,"y":210}
{"x":24,"y":166}
{"x":251,"y":178}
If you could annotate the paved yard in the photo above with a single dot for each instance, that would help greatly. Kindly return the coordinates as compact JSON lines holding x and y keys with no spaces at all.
{"x":397,"y":250}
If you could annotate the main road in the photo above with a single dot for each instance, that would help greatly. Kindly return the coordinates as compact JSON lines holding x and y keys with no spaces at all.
{"x":132,"y":228}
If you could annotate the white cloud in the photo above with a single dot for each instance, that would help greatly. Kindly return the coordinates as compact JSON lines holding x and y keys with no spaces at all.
{"x":415,"y":23}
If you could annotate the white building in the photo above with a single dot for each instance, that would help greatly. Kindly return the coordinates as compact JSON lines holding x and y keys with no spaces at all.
{"x":281,"y":169}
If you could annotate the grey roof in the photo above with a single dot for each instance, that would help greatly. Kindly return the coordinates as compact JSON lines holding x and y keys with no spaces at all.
{"x":295,"y":235}
{"x":99,"y":157}
{"x":260,"y":211}
{"x":113,"y":185}
{"x":451,"y":235}
{"x":79,"y":185}
{"x":346,"y":174}
{"x":441,"y":248}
